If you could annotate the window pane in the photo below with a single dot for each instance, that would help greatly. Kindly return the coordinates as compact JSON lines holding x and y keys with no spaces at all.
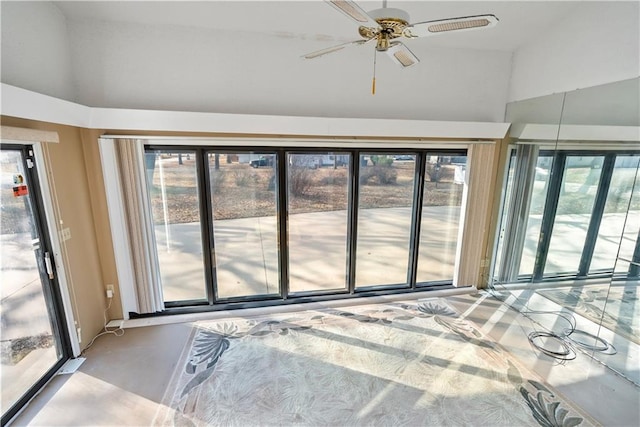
{"x":173,"y":190}
{"x":441,"y":205}
{"x":536,"y":209}
{"x":385,"y":199}
{"x":245,"y":226}
{"x":317,"y":194}
{"x":575,"y":204}
{"x":613,"y":220}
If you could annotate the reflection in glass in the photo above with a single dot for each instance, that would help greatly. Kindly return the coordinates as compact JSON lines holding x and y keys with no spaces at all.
{"x":536,"y":208}
{"x":317,"y":202}
{"x":613,"y":221}
{"x":385,"y":198}
{"x":30,"y":347}
{"x":577,"y":195}
{"x":173,"y":189}
{"x":441,"y":206}
{"x":245,"y":227}
{"x":505,"y":212}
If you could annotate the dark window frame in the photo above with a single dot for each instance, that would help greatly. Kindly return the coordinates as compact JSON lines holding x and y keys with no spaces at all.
{"x":285,"y":296}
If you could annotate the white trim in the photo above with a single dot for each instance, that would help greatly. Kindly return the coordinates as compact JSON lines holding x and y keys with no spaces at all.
{"x":501,"y":212}
{"x":287,"y":308}
{"x":108,"y":118}
{"x":298,"y":142}
{"x":17,"y":102}
{"x":25,"y":104}
{"x":52,"y":228}
{"x":119,"y":232}
{"x":583,"y":133}
{"x":461,"y":221}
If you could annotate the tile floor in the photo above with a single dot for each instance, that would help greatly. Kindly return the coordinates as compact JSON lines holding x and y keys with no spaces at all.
{"x":124,"y":379}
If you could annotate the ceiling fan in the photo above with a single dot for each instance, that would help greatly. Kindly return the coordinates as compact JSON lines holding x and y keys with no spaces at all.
{"x":386,"y":25}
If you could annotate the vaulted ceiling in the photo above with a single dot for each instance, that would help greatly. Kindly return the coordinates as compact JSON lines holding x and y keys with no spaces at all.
{"x":245,"y":57}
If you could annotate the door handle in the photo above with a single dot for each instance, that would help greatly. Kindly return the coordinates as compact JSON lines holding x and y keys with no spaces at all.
{"x":48,"y":265}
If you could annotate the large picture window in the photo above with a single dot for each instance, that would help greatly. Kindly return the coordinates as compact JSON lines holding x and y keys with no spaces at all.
{"x":236,"y":225}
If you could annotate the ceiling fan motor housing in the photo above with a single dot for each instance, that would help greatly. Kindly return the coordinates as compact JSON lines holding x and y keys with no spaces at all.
{"x":392,"y":25}
{"x":389,"y":13}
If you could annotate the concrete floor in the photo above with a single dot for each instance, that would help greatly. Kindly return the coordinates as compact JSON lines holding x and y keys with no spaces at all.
{"x":124,"y":379}
{"x":247,"y":252}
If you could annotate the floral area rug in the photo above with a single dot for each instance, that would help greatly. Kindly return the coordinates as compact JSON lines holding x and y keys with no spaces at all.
{"x":617,"y":307}
{"x":406,"y":363}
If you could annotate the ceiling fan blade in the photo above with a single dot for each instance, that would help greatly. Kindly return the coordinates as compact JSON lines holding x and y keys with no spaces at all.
{"x":353,"y":11}
{"x":401,"y":55}
{"x":432,"y":28}
{"x":332,"y":49}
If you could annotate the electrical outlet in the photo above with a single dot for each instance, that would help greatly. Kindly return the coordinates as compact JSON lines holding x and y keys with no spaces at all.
{"x":110,"y":291}
{"x":79,"y":330}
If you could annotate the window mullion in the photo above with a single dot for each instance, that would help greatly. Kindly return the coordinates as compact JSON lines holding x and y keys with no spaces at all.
{"x":283,"y":240}
{"x":416,"y":218}
{"x":596,"y":214}
{"x":549,"y":214}
{"x":352,"y":230}
{"x":206,"y":223}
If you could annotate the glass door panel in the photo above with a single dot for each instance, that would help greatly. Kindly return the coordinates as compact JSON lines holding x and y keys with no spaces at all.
{"x":385,"y":200}
{"x":172,"y":181}
{"x":30,"y":326}
{"x":244,"y":198}
{"x":441,"y":205}
{"x":614,"y":218}
{"x":578,"y":191}
{"x":536,"y":210}
{"x":317,"y":207}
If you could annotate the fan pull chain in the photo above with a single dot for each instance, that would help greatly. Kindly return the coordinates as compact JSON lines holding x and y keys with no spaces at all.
{"x":373,"y":83}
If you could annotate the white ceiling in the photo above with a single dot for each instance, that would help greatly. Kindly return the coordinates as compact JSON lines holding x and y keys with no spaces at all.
{"x":520,"y":21}
{"x":244,"y":57}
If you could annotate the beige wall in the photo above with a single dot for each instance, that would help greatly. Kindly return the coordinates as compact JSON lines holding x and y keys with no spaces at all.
{"x":75,"y":175}
{"x":483,"y":199}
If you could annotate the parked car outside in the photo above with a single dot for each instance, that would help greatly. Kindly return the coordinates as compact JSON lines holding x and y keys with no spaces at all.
{"x":262,"y":161}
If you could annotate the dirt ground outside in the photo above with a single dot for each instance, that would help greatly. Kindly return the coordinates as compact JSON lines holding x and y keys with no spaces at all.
{"x":241,"y":191}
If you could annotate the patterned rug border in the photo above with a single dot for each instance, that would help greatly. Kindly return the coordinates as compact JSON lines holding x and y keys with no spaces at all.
{"x":533,"y":388}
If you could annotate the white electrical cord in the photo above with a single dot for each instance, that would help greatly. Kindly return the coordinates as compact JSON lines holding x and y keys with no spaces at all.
{"x":117,"y":332}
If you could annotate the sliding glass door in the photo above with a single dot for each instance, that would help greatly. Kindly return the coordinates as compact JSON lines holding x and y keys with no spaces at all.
{"x":33,"y":329}
{"x":444,"y":181}
{"x":176,"y":207}
{"x":623,"y":195}
{"x":318,"y":216}
{"x":576,"y":215}
{"x":244,"y":194}
{"x":385,"y":208}
{"x":574,"y":197}
{"x":240,"y":226}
